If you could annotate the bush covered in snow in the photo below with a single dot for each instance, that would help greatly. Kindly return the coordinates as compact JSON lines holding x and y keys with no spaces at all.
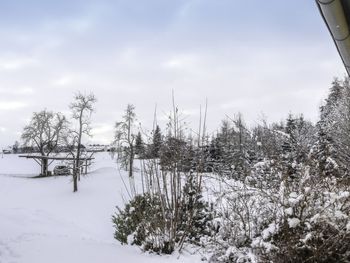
{"x":139,"y":222}
{"x":147,"y":223}
{"x":304,"y":220}
{"x":315,"y":224}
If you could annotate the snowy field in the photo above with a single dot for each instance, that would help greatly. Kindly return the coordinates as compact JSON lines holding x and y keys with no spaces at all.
{"x":42,"y":220}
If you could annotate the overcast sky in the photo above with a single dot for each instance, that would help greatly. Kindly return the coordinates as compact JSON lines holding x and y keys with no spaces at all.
{"x":254,"y":57}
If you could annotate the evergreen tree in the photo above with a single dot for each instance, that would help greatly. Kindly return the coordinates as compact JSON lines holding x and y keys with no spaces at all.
{"x":324,"y":153}
{"x":334,"y":131}
{"x":15,"y":147}
{"x":224,"y":148}
{"x":139,"y":146}
{"x":195,"y":213}
{"x":234,"y":148}
{"x":267,"y":139}
{"x":297,"y":144}
{"x":244,"y":153}
{"x":156,"y":142}
{"x":333,"y":99}
{"x":215,"y":155}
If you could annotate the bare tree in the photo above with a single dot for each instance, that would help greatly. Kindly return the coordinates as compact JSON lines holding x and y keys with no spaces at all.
{"x":125,"y":138}
{"x":82,"y":108}
{"x":45,"y":133}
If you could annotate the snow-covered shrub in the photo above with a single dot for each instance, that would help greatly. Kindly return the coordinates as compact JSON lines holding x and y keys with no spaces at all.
{"x":196,"y":215}
{"x":300,"y":220}
{"x":138,"y":222}
{"x":264,"y":174}
{"x":315,"y":224}
{"x":244,"y":213}
{"x":147,"y":223}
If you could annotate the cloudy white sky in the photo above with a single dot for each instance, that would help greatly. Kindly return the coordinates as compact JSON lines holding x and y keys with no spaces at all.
{"x":254,"y":57}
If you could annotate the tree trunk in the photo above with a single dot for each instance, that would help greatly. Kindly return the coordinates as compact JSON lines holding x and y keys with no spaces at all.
{"x":75,"y":178}
{"x":76,"y":169}
{"x":44,"y":167}
{"x":131,"y":161}
{"x":75,"y":183}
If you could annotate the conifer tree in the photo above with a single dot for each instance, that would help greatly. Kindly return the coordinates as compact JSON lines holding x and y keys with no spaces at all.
{"x":156,"y":142}
{"x":139,"y":146}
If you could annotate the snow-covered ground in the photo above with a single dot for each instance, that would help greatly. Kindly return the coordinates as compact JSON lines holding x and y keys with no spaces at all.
{"x":42,"y":220}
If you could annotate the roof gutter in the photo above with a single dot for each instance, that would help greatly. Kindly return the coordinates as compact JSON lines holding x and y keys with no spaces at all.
{"x":336,"y":14}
